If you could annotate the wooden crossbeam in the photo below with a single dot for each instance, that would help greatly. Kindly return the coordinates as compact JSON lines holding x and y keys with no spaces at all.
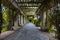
{"x":14,"y":4}
{"x":28,"y":2}
{"x":29,"y":5}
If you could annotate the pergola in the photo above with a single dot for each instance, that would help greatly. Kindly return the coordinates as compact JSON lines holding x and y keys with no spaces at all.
{"x":40,"y":5}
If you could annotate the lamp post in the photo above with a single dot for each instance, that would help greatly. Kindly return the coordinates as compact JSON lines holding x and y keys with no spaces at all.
{"x":0,"y":16}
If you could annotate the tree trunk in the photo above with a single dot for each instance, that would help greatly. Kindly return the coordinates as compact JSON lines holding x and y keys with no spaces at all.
{"x":58,"y":21}
{"x":0,"y":16}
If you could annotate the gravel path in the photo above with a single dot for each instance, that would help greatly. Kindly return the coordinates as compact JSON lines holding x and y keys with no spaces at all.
{"x":28,"y":32}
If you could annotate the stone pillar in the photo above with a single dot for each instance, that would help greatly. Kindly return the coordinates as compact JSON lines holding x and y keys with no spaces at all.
{"x":46,"y":19}
{"x":43,"y":21}
{"x":12,"y":17}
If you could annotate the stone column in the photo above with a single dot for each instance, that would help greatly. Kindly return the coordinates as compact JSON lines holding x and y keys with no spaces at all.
{"x":43,"y":20}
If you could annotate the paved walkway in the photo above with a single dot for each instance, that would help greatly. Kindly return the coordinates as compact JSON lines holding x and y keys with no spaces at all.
{"x":28,"y":32}
{"x":5,"y":34}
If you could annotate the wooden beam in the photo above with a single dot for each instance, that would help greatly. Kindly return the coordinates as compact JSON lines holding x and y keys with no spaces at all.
{"x":45,"y":5}
{"x":28,"y":2}
{"x":29,"y":5}
{"x":16,"y":6}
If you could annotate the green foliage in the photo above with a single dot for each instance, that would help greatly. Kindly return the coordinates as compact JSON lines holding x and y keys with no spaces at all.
{"x":3,"y":30}
{"x":6,"y":18}
{"x":14,"y":14}
{"x":52,"y":29}
{"x":31,"y":18}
